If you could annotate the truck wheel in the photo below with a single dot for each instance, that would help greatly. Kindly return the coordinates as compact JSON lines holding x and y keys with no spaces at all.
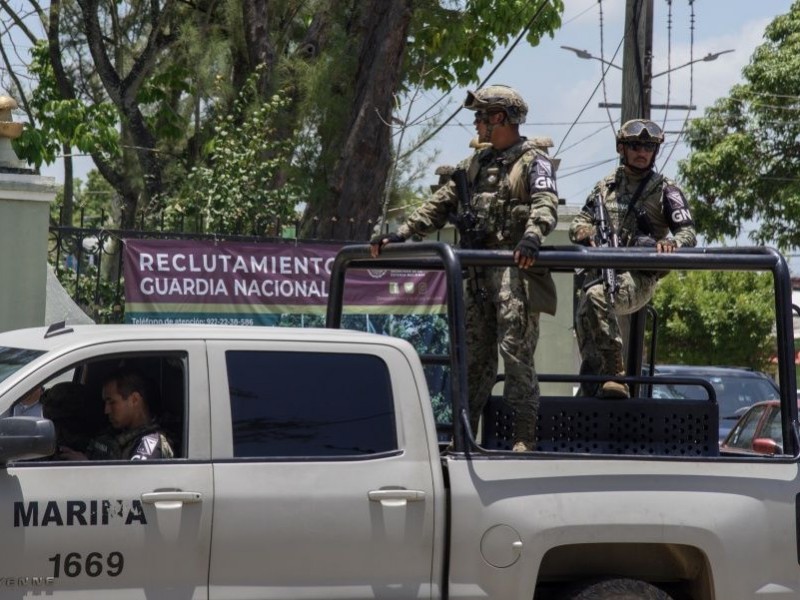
{"x":620,"y":589}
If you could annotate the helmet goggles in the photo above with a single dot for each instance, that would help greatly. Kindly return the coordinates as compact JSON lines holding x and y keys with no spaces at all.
{"x":639,"y":130}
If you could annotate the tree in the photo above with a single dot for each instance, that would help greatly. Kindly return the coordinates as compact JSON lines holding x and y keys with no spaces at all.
{"x":745,"y":159}
{"x":227,"y":189}
{"x":385,"y":47}
{"x":172,"y":70}
{"x":715,"y":318}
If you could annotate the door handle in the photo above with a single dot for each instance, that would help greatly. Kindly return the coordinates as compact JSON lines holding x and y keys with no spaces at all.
{"x":171,"y":499}
{"x":396,"y":497}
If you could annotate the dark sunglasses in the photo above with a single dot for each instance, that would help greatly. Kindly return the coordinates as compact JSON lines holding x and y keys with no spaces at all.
{"x":646,"y":146}
{"x":483,"y":116}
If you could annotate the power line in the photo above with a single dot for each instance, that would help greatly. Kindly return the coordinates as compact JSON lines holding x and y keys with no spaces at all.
{"x":594,"y":91}
{"x":583,"y":139}
{"x":691,"y":82}
{"x":510,"y":49}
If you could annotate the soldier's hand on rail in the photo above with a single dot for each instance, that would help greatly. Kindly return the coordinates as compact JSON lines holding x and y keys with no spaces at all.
{"x":666,"y":246}
{"x":377,"y":243}
{"x":526,"y":251}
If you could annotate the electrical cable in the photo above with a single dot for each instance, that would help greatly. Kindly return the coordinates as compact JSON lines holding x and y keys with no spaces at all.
{"x":583,"y":139}
{"x":602,"y":62}
{"x":588,"y":167}
{"x":669,"y":61}
{"x":583,"y":109}
{"x":691,"y":86}
{"x":521,"y":35}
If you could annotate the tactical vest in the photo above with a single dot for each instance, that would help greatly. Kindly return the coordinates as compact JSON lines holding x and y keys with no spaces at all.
{"x":643,"y":217}
{"x":121,"y":445}
{"x":500,"y":199}
{"x":502,"y":206}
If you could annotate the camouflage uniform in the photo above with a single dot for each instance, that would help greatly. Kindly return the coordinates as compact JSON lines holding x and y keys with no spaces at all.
{"x":661,"y":210}
{"x":513,"y":195}
{"x":143,"y":443}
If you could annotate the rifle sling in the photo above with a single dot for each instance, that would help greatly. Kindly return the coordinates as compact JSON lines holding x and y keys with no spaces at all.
{"x":634,"y":201}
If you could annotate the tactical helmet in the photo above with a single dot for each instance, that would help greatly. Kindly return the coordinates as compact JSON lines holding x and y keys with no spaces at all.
{"x":640,"y":130}
{"x":498,"y":97}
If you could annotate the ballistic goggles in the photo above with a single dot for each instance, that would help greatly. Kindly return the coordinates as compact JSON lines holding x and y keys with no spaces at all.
{"x":640,"y":130}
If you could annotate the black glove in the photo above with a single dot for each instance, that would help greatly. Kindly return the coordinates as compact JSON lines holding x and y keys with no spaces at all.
{"x":391,"y":238}
{"x":529,"y":246}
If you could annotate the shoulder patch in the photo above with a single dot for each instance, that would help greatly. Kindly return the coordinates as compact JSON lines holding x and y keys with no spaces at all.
{"x":542,"y":178}
{"x":147,"y":448}
{"x":676,"y":208}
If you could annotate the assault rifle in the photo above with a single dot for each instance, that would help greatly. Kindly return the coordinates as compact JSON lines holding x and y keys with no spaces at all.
{"x":470,"y":235}
{"x":606,"y":238}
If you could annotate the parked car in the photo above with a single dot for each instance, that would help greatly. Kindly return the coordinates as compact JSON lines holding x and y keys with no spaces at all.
{"x":736,"y":389}
{"x":758,"y":431}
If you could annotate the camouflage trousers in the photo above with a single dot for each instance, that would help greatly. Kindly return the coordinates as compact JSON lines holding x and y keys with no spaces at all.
{"x":597,"y":326}
{"x":498,"y":315}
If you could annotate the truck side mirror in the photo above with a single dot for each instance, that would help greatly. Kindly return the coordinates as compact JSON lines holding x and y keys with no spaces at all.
{"x":24,"y":438}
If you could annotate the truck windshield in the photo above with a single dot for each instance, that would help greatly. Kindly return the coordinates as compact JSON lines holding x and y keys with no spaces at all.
{"x":13,"y":359}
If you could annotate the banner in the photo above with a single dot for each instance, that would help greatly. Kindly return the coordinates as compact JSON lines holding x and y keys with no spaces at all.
{"x":184,"y":281}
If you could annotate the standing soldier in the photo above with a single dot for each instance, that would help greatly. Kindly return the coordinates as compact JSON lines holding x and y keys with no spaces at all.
{"x":643,"y":208}
{"x":507,"y":200}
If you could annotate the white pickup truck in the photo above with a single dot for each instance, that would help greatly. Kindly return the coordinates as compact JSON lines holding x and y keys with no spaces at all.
{"x":309,"y":465}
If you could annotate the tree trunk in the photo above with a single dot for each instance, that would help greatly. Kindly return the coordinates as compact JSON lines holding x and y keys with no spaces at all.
{"x":357,"y":180}
{"x":256,"y":17}
{"x":67,"y":207}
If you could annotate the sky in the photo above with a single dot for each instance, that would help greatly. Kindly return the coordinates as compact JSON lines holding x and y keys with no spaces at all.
{"x":557,"y":84}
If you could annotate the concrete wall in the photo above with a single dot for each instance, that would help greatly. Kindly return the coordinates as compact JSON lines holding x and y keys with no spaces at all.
{"x":24,"y":221}
{"x":557,"y":351}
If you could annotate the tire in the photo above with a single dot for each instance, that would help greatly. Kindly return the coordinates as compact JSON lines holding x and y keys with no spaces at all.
{"x":620,"y":589}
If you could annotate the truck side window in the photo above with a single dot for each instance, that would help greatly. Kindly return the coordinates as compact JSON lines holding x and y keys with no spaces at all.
{"x":293,"y":404}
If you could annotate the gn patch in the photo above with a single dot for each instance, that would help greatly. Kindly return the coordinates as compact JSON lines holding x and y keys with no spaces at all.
{"x":542,"y":177}
{"x":676,"y":208}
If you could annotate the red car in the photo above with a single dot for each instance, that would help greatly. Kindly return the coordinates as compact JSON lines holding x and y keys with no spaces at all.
{"x":758,"y":431}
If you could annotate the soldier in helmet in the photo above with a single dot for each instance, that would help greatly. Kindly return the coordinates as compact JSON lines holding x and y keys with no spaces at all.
{"x":643,"y":208}
{"x":512,"y":205}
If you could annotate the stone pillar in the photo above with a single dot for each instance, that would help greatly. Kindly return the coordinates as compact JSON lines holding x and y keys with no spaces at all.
{"x":24,"y":221}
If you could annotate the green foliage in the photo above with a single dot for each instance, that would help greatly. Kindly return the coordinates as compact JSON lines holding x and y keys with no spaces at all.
{"x":235,"y":189}
{"x":442,"y":56}
{"x":744,"y":160}
{"x":157,"y":98}
{"x":87,"y":127}
{"x":715,"y":318}
{"x":92,"y":198}
{"x":97,"y":297}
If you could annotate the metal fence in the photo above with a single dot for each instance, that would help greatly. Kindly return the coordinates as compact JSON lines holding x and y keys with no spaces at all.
{"x":88,"y":259}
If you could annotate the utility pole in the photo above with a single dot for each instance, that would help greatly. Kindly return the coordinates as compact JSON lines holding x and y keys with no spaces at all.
{"x":637,"y":73}
{"x":637,"y":60}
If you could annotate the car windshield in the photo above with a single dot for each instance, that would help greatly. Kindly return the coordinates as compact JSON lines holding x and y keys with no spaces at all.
{"x":734,"y":393}
{"x":13,"y":359}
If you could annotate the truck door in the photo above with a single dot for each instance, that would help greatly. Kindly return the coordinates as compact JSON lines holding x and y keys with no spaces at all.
{"x":122,"y":528}
{"x":323,"y":476}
